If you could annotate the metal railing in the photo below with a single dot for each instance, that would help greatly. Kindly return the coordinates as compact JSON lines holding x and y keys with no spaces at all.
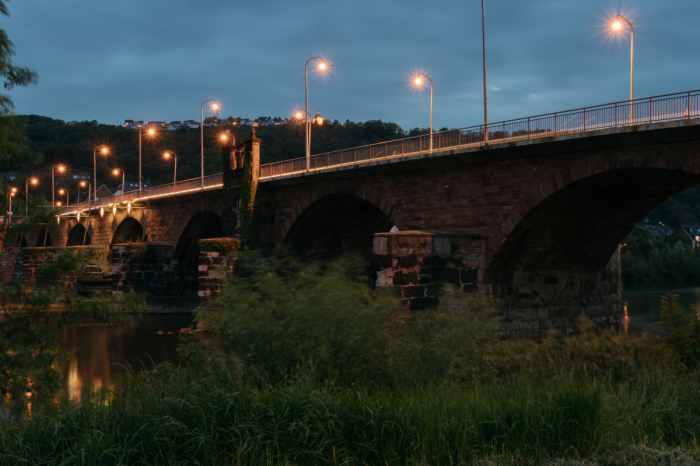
{"x":639,"y":111}
{"x":667,"y":107}
{"x":181,"y":187}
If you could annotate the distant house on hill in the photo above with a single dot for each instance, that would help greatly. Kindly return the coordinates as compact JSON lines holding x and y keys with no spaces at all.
{"x":131,"y":186}
{"x":691,"y":231}
{"x":102,"y":192}
{"x":82,"y":176}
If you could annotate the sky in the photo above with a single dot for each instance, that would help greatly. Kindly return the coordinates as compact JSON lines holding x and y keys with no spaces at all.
{"x":159,"y":59}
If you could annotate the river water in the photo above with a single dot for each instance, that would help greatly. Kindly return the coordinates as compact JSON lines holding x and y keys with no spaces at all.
{"x":643,"y":302}
{"x":100,"y":353}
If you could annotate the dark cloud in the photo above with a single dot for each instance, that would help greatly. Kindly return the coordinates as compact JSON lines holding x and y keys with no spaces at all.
{"x":158,"y":60}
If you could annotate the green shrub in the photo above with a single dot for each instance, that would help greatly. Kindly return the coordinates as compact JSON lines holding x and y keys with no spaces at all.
{"x":290,"y":317}
{"x":683,"y":330}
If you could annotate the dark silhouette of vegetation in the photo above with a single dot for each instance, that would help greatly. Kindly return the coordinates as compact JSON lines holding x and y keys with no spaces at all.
{"x":646,"y":260}
{"x":307,"y":364}
{"x":680,"y":209}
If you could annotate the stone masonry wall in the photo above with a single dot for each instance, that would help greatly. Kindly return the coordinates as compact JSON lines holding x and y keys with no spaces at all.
{"x":217,"y":258}
{"x":419,"y":263}
{"x":8,"y":262}
{"x":149,"y":268}
{"x":537,"y":301}
{"x":94,"y":268}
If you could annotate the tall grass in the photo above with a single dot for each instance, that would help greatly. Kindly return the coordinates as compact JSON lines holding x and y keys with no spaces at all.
{"x":195,"y":420}
{"x":306,"y":365}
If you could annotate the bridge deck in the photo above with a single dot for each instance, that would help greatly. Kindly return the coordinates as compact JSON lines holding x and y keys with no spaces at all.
{"x":603,"y":125}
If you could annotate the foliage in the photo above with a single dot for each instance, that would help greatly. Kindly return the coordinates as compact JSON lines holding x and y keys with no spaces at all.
{"x":683,"y":330}
{"x":644,"y":259}
{"x":29,"y":345}
{"x":222,"y":244}
{"x":682,"y":208}
{"x":290,"y":317}
{"x":596,"y":352}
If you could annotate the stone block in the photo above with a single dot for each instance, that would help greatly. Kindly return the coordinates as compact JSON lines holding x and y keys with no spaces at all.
{"x":469,"y":275}
{"x":434,"y":261}
{"x":408,"y":262}
{"x":405,"y":278}
{"x":445,"y":275}
{"x":413,"y":291}
{"x":421,"y":304}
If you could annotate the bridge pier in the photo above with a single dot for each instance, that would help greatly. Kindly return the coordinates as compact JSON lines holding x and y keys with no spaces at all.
{"x":532,"y":302}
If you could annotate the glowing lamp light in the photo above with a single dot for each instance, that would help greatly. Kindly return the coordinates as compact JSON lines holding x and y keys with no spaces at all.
{"x":78,"y":216}
{"x":298,"y":114}
{"x":102,"y":211}
{"x":58,"y":219}
{"x":150,"y":131}
{"x":223,"y":137}
{"x":128,"y":207}
{"x":61,"y":168}
{"x":115,"y":172}
{"x":58,"y":203}
{"x":214,"y":106}
{"x":322,"y":66}
{"x":34,"y":181}
{"x":318,"y":119}
{"x":617,"y":25}
{"x":419,"y":81}
{"x":114,"y":210}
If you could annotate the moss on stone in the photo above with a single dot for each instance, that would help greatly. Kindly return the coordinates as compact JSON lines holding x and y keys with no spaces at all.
{"x":222,"y":244}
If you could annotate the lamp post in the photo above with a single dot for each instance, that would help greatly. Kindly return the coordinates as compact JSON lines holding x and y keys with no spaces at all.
{"x":10,"y":194}
{"x":483,"y":42}
{"x":418,"y":82}
{"x":105,"y":150}
{"x":61,"y":168}
{"x":167,"y":155}
{"x":201,"y":128}
{"x":151,"y":132}
{"x":322,"y":67}
{"x":82,"y":184}
{"x":34,"y":181}
{"x":617,"y":25}
{"x":116,"y":172}
{"x":65,"y":190}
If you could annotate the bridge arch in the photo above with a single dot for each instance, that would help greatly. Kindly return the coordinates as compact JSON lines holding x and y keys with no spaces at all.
{"x":129,"y":230}
{"x":44,"y":239}
{"x":202,"y":225}
{"x":77,"y":235}
{"x":576,"y":217}
{"x":337,"y":224}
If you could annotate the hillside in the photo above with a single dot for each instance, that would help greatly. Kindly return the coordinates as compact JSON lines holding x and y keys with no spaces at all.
{"x":72,"y":144}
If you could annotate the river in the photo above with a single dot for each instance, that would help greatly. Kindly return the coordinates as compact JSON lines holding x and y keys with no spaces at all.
{"x":99,"y":353}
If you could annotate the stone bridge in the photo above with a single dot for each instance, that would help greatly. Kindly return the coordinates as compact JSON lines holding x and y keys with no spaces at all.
{"x":535,"y":222}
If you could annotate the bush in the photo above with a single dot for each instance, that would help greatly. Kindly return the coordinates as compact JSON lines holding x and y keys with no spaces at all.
{"x":291,"y":317}
{"x":683,"y":337}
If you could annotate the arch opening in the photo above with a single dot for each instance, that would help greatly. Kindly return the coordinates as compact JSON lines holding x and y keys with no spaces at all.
{"x":580,"y":226}
{"x":77,"y":235}
{"x":203,"y":225}
{"x":129,"y":230}
{"x":44,"y":239}
{"x":337,"y":225}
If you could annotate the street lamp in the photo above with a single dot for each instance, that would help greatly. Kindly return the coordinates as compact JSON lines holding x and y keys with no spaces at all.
{"x":10,"y":194}
{"x":322,"y":67}
{"x":419,"y":82}
{"x":617,"y":26}
{"x":483,"y":43}
{"x":167,"y":155}
{"x":115,"y":172}
{"x":201,"y":128}
{"x":61,"y":168}
{"x":83,"y":184}
{"x":34,"y":181}
{"x":65,"y":190}
{"x":104,"y":150}
{"x":151,"y":132}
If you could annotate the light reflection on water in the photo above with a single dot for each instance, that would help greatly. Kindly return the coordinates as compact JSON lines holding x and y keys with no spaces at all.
{"x":98,"y":352}
{"x":643,"y":301}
